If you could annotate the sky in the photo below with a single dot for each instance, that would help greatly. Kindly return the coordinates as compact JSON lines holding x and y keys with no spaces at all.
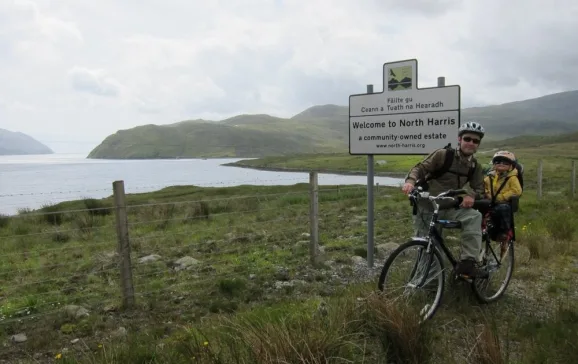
{"x":75,"y":71}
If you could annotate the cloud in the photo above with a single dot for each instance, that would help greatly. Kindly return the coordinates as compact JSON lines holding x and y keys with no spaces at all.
{"x":27,"y":29}
{"x":94,"y":82}
{"x":96,"y":67}
{"x":520,"y":59}
{"x":421,"y":7}
{"x":535,"y":50}
{"x":11,"y":105}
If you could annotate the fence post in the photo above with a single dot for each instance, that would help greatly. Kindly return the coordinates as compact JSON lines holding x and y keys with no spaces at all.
{"x":123,"y":244}
{"x":539,"y":179}
{"x":313,"y":218}
{"x":573,"y":182}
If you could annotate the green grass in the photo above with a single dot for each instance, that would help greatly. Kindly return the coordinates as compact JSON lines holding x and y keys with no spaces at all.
{"x":556,"y":153}
{"x":395,"y":165}
{"x":253,"y":296}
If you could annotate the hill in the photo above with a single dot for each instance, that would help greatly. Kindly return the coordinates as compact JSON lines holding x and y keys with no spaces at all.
{"x":16,"y":143}
{"x":319,"y":129}
{"x":533,"y":141}
{"x":239,"y":136}
{"x":547,"y":115}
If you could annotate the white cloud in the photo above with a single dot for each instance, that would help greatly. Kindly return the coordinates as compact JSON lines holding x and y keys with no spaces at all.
{"x":96,"y":82}
{"x":32,"y":32}
{"x":92,"y":68}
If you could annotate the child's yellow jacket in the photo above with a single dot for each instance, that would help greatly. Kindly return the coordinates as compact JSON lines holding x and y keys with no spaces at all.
{"x":495,"y":180}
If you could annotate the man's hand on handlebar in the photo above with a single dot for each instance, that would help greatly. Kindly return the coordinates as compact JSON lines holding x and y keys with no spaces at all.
{"x":407,"y":187}
{"x":467,"y":202}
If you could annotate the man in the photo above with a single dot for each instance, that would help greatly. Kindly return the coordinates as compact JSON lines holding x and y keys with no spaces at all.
{"x":464,"y":168}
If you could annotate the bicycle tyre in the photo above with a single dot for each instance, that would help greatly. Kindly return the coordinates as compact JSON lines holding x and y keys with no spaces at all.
{"x":436,"y":255}
{"x":481,"y":296}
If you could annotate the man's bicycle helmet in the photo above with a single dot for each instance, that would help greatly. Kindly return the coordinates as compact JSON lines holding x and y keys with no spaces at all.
{"x":471,"y":127}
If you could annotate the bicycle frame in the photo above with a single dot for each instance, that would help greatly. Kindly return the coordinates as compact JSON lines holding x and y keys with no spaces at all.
{"x":434,"y":236}
{"x":486,"y":238}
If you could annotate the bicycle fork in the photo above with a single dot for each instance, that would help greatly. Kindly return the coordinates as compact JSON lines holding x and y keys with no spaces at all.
{"x":423,"y":280}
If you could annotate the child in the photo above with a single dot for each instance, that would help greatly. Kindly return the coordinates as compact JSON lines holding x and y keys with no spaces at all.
{"x":500,"y":185}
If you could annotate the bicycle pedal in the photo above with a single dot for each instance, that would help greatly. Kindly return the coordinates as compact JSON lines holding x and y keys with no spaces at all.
{"x":464,"y":277}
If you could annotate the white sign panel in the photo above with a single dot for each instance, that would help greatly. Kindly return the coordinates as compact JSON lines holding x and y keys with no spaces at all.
{"x":403,"y":119}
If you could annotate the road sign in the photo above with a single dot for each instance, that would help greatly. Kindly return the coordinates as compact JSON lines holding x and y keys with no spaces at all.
{"x":403,"y":119}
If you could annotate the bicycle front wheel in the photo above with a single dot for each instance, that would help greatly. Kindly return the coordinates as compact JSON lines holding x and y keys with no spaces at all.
{"x":414,"y":278}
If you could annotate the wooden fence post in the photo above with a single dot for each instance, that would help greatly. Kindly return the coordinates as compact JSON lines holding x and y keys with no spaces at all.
{"x":313,"y":218}
{"x":123,"y":244}
{"x":539,"y":179}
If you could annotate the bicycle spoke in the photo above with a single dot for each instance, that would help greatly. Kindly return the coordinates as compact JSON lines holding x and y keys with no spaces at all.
{"x":414,"y":280}
{"x":499,"y":264}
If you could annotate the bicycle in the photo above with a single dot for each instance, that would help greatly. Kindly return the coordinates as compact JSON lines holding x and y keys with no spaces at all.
{"x":428,"y":249}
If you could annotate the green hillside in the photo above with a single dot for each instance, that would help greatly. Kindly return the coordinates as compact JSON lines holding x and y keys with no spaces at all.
{"x":319,"y":129}
{"x":240,"y":136}
{"x":531,"y":141}
{"x":546,"y":115}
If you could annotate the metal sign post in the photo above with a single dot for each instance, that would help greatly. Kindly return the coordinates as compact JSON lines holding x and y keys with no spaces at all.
{"x":370,"y":200}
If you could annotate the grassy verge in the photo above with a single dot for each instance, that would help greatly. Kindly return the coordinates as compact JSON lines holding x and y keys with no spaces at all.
{"x":556,"y":154}
{"x":222,"y":275}
{"x":392,"y":166}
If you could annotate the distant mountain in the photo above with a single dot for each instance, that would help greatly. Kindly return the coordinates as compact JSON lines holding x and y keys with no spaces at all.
{"x":16,"y":143}
{"x":323,"y":112}
{"x":318,"y":129}
{"x":547,"y":115}
{"x":239,"y":136}
{"x":534,"y":141}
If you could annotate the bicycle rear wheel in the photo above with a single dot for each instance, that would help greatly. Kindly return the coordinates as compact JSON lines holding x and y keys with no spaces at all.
{"x":412,"y":274}
{"x":500,"y":269}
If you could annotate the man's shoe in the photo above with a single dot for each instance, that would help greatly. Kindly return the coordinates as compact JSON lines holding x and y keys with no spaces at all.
{"x":466,"y":267}
{"x":469,"y":269}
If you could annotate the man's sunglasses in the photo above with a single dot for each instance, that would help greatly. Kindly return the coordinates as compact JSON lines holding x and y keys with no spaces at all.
{"x":469,"y":139}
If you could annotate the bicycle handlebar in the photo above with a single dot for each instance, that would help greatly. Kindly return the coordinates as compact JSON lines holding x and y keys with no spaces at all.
{"x":417,"y":192}
{"x":449,"y":194}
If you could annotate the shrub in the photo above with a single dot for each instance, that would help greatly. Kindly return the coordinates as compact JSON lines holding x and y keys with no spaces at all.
{"x":52,"y":214}
{"x":97,"y":207}
{"x":4,"y":220}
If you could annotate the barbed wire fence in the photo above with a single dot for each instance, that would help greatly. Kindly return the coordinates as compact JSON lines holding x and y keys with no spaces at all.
{"x":138,"y":250}
{"x":544,"y":183}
